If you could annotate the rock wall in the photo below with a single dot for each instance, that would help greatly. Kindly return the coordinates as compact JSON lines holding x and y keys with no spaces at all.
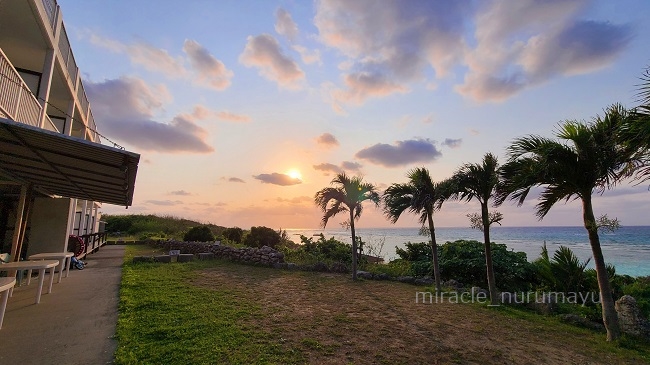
{"x":265,"y":255}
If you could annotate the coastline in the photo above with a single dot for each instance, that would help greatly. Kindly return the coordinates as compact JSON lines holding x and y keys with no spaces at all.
{"x":628,"y":249}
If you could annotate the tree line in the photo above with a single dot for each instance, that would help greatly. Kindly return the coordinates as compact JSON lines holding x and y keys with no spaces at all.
{"x":583,"y":159}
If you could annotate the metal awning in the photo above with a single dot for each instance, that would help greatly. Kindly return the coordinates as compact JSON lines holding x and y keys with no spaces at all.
{"x":67,"y":166}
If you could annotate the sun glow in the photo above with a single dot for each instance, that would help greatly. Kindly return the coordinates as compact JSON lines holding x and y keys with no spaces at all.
{"x":294,"y":174}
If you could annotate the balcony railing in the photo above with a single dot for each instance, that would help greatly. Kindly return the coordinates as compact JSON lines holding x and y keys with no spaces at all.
{"x":50,"y":10}
{"x":68,"y":57}
{"x":83,"y":99}
{"x":93,"y":128}
{"x":16,"y":101}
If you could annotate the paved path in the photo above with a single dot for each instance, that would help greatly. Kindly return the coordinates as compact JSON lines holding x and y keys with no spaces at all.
{"x":74,"y":324}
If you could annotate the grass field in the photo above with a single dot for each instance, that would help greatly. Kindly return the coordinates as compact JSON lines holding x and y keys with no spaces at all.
{"x":219,"y":312}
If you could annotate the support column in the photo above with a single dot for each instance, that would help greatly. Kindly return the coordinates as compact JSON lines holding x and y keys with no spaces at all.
{"x":69,"y":119}
{"x":46,"y":83}
{"x":95,"y":218}
{"x":71,"y":216}
{"x":22,"y":215}
{"x":82,"y":224}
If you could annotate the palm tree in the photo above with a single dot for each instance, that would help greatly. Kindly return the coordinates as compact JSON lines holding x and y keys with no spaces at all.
{"x":586,"y":159}
{"x":480,"y":181}
{"x":346,"y":195}
{"x":635,"y":130}
{"x":420,"y":196}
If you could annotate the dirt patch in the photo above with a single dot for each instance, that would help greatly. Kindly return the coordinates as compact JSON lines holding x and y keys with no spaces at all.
{"x":336,"y":321}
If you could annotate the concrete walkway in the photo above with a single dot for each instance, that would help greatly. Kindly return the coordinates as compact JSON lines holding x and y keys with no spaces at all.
{"x":75,"y":324}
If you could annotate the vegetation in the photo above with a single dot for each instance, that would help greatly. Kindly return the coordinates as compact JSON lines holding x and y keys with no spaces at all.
{"x":419,"y":196}
{"x":328,"y":251}
{"x":480,"y":182}
{"x":347,"y":195}
{"x":464,"y":261}
{"x":143,"y":226}
{"x":586,"y":158}
{"x":200,"y":233}
{"x":262,"y":236}
{"x":217,"y":312}
{"x":234,"y":234}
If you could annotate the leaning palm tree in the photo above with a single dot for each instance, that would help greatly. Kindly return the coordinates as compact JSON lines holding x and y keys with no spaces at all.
{"x":420,"y":196}
{"x":346,"y":195}
{"x":475,"y":181}
{"x":586,"y":159}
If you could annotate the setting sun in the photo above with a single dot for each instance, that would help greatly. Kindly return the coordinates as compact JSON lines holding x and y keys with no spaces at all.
{"x":295,"y":174}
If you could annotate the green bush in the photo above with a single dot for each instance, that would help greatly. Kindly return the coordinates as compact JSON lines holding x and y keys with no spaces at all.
{"x":234,"y":234}
{"x":464,"y":261}
{"x":199,"y":234}
{"x":309,"y":252}
{"x":395,"y":268}
{"x":262,"y":236}
{"x":640,"y":290}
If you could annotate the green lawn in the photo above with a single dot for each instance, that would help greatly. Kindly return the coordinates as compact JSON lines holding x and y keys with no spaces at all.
{"x":219,"y":312}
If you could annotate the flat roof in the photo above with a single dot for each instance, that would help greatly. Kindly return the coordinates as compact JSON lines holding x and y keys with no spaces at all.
{"x":66,"y":166}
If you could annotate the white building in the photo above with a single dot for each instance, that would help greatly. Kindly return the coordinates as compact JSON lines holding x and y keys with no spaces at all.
{"x":54,"y":171}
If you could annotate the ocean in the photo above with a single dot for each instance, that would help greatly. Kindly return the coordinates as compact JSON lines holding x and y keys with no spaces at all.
{"x":628,"y":249}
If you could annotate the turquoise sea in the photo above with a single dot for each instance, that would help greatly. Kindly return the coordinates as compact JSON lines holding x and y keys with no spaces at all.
{"x":628,"y":248}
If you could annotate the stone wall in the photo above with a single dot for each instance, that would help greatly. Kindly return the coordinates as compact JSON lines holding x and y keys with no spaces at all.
{"x":265,"y":255}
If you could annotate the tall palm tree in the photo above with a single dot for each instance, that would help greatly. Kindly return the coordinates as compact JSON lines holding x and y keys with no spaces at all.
{"x":479,"y":182}
{"x":420,"y":196}
{"x":586,"y":159}
{"x":346,"y":195}
{"x":635,"y":131}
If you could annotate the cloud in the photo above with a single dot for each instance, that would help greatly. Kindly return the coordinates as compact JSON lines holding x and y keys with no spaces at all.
{"x":264,"y":53}
{"x":296,"y":200}
{"x":452,"y":143}
{"x":285,"y":25}
{"x":208,"y":71}
{"x":363,"y":85}
{"x":202,"y":112}
{"x":125,"y":108}
{"x":277,"y":179}
{"x":328,"y":168}
{"x":345,"y":166}
{"x":391,"y":43}
{"x":232,"y":117}
{"x":327,"y":140}
{"x":526,"y":43}
{"x":308,"y":56}
{"x":351,"y":166}
{"x":180,"y":192}
{"x":236,"y":180}
{"x":163,"y":202}
{"x":143,"y":54}
{"x":401,"y":153}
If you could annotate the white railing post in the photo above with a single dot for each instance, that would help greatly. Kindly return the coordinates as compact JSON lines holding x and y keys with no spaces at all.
{"x":46,"y":83}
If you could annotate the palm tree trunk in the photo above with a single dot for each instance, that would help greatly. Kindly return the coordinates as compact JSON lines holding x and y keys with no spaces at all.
{"x":488,"y":255}
{"x":610,"y":317}
{"x":434,"y":254}
{"x":354,"y":246}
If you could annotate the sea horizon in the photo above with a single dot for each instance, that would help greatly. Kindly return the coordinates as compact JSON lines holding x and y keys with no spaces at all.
{"x":627,"y":248}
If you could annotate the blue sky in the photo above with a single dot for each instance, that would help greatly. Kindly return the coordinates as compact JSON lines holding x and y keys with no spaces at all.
{"x":242,"y":110}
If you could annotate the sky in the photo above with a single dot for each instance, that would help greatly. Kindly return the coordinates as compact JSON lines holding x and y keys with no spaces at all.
{"x":242,"y":110}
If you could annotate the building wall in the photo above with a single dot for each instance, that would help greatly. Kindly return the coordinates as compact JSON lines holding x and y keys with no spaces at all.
{"x":49,"y":225}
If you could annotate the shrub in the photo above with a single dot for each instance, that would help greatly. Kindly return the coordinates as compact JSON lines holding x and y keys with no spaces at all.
{"x":234,"y":234}
{"x":199,"y":234}
{"x":464,"y":261}
{"x":262,"y":236}
{"x":640,"y":290}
